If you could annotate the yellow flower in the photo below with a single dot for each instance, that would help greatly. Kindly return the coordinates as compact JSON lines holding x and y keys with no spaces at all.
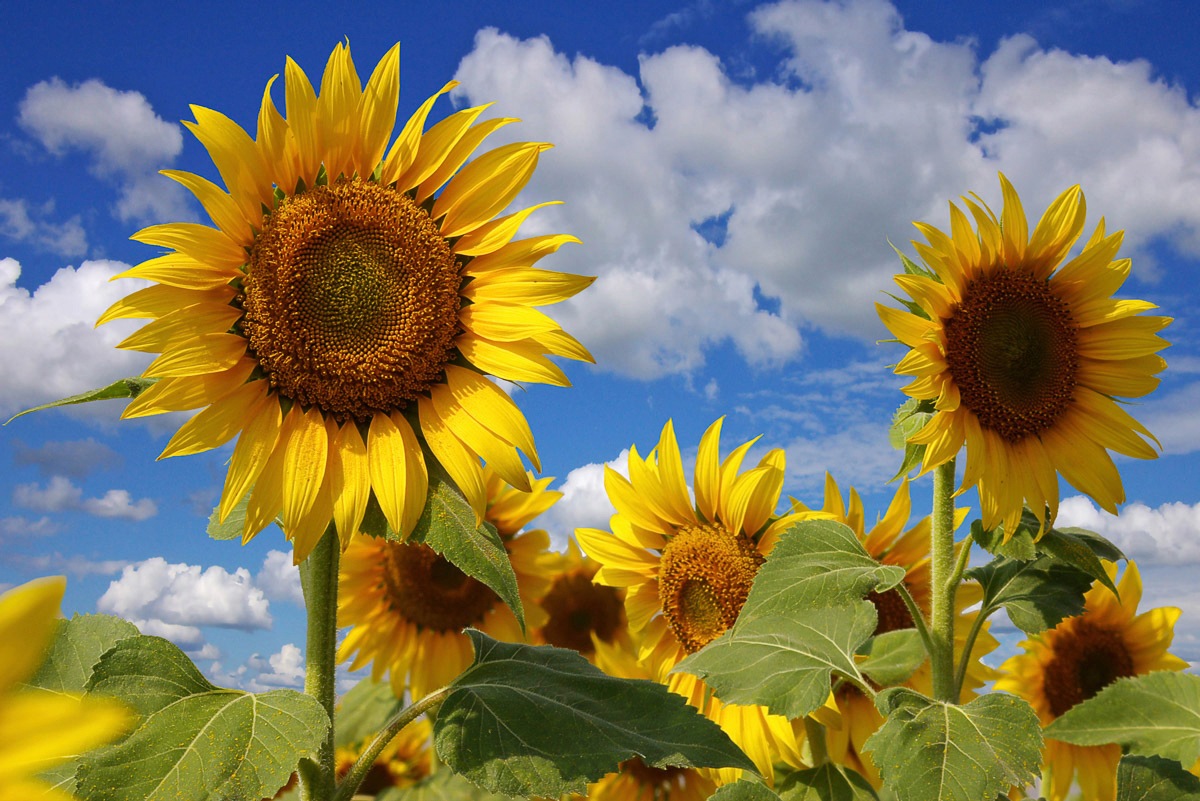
{"x":38,"y":728}
{"x":581,"y":613}
{"x":1073,"y":661}
{"x":687,"y":569}
{"x":404,"y":761}
{"x":407,"y":606}
{"x":1023,"y":357}
{"x":851,"y":718}
{"x":349,"y":298}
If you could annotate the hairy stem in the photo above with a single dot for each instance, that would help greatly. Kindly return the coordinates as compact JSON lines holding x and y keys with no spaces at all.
{"x":320,"y":582}
{"x":941,"y":546}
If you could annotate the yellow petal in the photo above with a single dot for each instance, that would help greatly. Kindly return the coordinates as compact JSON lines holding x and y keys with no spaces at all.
{"x":42,"y":729}
{"x":436,"y":145}
{"x":496,"y":234}
{"x":404,"y":149}
{"x":27,"y":621}
{"x":337,"y":113}
{"x":221,"y":208}
{"x":459,"y":461}
{"x":210,"y":353}
{"x":301,"y":109}
{"x":267,"y":495}
{"x":496,"y":452}
{"x":351,"y":485}
{"x":1014,"y":226}
{"x":189,"y":392}
{"x":494,"y":409}
{"x":908,"y":328}
{"x":154,"y":302}
{"x":181,"y":270}
{"x":206,"y":245}
{"x":236,"y":158}
{"x":485,"y":186}
{"x":505,"y":322}
{"x":250,"y":455}
{"x":182,"y":326}
{"x":523,"y":285}
{"x":305,"y":457}
{"x":707,"y":482}
{"x":393,"y":456}
{"x":220,"y":422}
{"x":513,"y":361}
{"x":377,"y":110}
{"x":458,"y":156}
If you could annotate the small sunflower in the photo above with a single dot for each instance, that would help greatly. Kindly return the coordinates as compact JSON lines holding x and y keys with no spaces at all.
{"x":407,"y":606}
{"x":347,"y":305}
{"x":852,"y":718}
{"x":579,"y":612}
{"x":1082,"y":655}
{"x":687,"y":569}
{"x":40,"y":729}
{"x":404,"y":761}
{"x":1024,"y":357}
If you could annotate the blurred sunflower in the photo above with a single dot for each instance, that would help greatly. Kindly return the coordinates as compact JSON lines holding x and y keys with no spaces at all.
{"x":407,"y":606}
{"x":40,"y":729}
{"x":852,"y":718}
{"x":579,"y":612}
{"x":687,"y":569}
{"x":1023,"y":357}
{"x":404,"y":761}
{"x":350,"y":297}
{"x":1082,"y":655}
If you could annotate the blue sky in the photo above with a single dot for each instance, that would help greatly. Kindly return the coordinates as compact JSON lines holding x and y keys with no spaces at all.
{"x":735,"y":171}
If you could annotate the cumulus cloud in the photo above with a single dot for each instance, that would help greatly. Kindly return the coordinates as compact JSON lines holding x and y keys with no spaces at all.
{"x":16,"y":527}
{"x":74,"y":565}
{"x":1172,"y":417}
{"x":126,"y":140}
{"x":71,"y":458}
{"x":1168,"y":534}
{"x":61,"y":495}
{"x":706,"y":201}
{"x":282,"y":669}
{"x":187,"y":595}
{"x":51,"y":348}
{"x":21,"y":222}
{"x":279,"y":579}
{"x":584,"y":503}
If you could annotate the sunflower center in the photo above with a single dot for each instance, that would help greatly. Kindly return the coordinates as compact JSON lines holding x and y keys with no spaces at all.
{"x":431,"y":592}
{"x":659,"y":781}
{"x":352,"y":299}
{"x":1012,"y":350}
{"x":704,"y":578}
{"x":576,"y":608}
{"x":892,"y":611}
{"x":1087,"y":658}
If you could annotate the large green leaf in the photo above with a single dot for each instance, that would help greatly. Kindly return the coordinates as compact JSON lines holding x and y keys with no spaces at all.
{"x":1145,"y":778}
{"x":816,"y":564}
{"x":1019,"y":546}
{"x":77,"y":646}
{"x":890,"y":658}
{"x":1037,"y":595}
{"x":927,"y":750}
{"x":1083,"y":550}
{"x":1156,"y":714}
{"x":525,"y":720}
{"x":364,"y":710}
{"x":196,"y":741}
{"x":447,"y":525}
{"x":744,"y":790}
{"x":122,"y":388}
{"x":828,"y":782}
{"x":784,"y":664}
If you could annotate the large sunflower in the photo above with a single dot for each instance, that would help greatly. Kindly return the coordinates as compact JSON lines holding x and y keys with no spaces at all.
{"x":347,"y":304}
{"x":852,"y":717}
{"x":407,"y":606}
{"x":1073,"y":661}
{"x":1023,"y":357}
{"x":40,"y":729}
{"x":687,"y":569}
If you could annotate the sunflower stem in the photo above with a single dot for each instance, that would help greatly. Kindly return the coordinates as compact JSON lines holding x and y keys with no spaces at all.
{"x":319,"y":574}
{"x":393,"y":727}
{"x":918,"y":617}
{"x":815,"y":733}
{"x":960,"y":675}
{"x":941,"y":571}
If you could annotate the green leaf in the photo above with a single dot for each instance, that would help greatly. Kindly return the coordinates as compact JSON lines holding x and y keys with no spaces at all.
{"x":1099,"y":545}
{"x":1146,"y":778}
{"x":526,"y":720}
{"x":744,"y":790}
{"x":77,"y":646}
{"x":447,"y":525}
{"x":928,"y":750}
{"x":893,"y":656}
{"x":123,"y":388}
{"x":1037,"y":595}
{"x":784,"y":664}
{"x":1021,"y":546}
{"x":910,"y":418}
{"x":196,"y":741}
{"x":233,"y":526}
{"x":828,"y":782}
{"x":1156,"y":714}
{"x":816,"y":564}
{"x":375,"y":523}
{"x":444,"y":785}
{"x":364,"y":711}
{"x":1080,"y":552}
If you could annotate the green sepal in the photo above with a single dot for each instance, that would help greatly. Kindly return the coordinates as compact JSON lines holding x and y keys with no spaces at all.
{"x":910,"y":418}
{"x":543,"y":721}
{"x":122,"y":388}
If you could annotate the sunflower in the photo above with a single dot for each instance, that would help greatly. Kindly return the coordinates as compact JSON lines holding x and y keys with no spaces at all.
{"x":581,"y":613}
{"x":40,"y":729}
{"x":687,"y":569}
{"x":404,"y":761}
{"x":852,"y":718}
{"x":407,"y":606}
{"x":1073,"y":661}
{"x":347,"y":305}
{"x":1023,"y":357}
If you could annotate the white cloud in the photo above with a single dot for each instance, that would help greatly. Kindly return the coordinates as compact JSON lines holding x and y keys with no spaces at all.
{"x":176,"y":633}
{"x":1171,"y":416}
{"x":282,"y":669}
{"x":125,"y":138}
{"x":1169,"y":534}
{"x":22,"y":224}
{"x":61,"y":495}
{"x":584,"y":503}
{"x":73,"y":458}
{"x":50,"y":347}
{"x":17,"y":527}
{"x":279,"y":579}
{"x":864,"y":127}
{"x":186,"y":595}
{"x":75,"y":565}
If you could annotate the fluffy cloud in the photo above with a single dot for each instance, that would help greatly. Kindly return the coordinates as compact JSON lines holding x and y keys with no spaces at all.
{"x":126,"y":140}
{"x":584,"y":503}
{"x":61,"y":495}
{"x":51,"y":346}
{"x":279,"y":579}
{"x":186,"y":595}
{"x":1169,"y":534}
{"x":72,"y":458}
{"x":798,"y":180}
{"x":74,"y":565}
{"x":282,"y":669}
{"x":21,"y":223}
{"x":12,"y":528}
